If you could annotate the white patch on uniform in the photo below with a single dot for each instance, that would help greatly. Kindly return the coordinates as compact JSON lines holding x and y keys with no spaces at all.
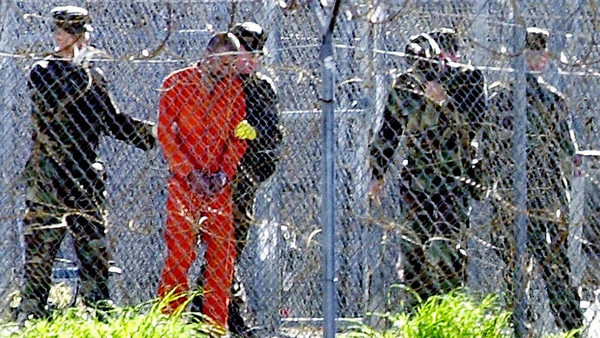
{"x":267,"y":79}
{"x":43,"y":64}
{"x":98,"y":166}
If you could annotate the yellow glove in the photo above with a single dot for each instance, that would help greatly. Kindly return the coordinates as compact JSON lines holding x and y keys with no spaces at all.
{"x":245,"y":131}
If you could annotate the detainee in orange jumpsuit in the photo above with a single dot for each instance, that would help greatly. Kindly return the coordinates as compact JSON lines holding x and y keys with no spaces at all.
{"x":199,"y":110}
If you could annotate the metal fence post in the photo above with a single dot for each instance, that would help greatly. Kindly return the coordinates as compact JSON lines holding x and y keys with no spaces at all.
{"x":578,"y":190}
{"x":11,"y":239}
{"x":480,"y":31}
{"x":328,"y":214}
{"x":520,"y":174}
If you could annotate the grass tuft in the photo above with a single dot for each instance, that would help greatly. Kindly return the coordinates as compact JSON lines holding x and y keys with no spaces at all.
{"x":144,"y":320}
{"x":456,"y":314}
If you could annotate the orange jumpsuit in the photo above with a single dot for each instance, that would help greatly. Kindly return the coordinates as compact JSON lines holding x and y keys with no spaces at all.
{"x":196,"y":132}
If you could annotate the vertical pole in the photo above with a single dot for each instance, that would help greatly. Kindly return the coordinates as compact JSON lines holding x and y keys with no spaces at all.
{"x":576,"y":178}
{"x":10,"y":245}
{"x":370,"y":234}
{"x":480,"y":216}
{"x":378,"y":265}
{"x":328,"y":135}
{"x":480,"y":31}
{"x":520,"y":174}
{"x":277,"y":248}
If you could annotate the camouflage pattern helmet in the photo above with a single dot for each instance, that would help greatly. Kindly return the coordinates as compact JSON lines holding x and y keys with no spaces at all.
{"x":447,"y":39}
{"x":72,"y":19}
{"x":422,"y":46}
{"x":251,"y":35}
{"x":423,"y":54}
{"x":536,"y":38}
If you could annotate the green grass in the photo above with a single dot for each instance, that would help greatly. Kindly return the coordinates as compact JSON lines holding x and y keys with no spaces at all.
{"x":456,"y":314}
{"x":145,"y":320}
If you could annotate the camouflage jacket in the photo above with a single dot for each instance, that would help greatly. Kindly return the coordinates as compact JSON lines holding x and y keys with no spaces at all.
{"x":72,"y":109}
{"x":437,"y":146}
{"x":550,"y":146}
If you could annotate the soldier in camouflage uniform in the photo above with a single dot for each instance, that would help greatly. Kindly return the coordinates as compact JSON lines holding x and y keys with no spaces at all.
{"x":65,"y":178}
{"x":550,"y":150}
{"x":261,"y":157}
{"x":437,"y":108}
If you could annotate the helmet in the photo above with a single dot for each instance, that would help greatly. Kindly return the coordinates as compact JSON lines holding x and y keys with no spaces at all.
{"x":251,"y":35}
{"x":423,"y":54}
{"x":72,"y":19}
{"x":447,"y":39}
{"x":536,"y":38}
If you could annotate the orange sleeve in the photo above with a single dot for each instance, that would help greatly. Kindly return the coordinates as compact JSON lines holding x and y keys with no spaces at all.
{"x":236,"y":147}
{"x":168,"y":130}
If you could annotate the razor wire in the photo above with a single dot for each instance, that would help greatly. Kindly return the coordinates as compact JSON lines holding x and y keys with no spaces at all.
{"x":281,"y":266}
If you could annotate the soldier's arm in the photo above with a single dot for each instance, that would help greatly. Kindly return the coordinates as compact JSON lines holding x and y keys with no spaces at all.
{"x":123,"y":127}
{"x":474,"y":93}
{"x":267,"y":123}
{"x":565,"y":134}
{"x":388,"y":137}
{"x":480,"y":99}
{"x":54,"y":85}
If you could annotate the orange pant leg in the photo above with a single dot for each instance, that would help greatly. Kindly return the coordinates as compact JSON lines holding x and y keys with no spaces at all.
{"x":219,"y":235}
{"x":180,"y":237}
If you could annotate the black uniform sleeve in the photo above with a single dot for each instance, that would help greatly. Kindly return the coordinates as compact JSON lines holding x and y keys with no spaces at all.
{"x":54,"y":84}
{"x":480,"y":99}
{"x":499,"y":120}
{"x":470,"y":97}
{"x":267,"y":122}
{"x":388,"y":137}
{"x":120,"y":126}
{"x":262,"y":155}
{"x":566,"y":143}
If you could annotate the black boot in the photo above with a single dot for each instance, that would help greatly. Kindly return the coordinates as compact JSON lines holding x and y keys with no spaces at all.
{"x":197,"y":301}
{"x":235,"y":321}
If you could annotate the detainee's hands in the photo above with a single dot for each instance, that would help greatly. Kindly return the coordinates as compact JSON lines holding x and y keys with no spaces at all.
{"x":207,"y":185}
{"x":199,"y":182}
{"x":217,"y":182}
{"x":245,"y":131}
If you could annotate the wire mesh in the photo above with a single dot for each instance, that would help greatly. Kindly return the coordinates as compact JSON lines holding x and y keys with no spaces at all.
{"x":439,"y":139}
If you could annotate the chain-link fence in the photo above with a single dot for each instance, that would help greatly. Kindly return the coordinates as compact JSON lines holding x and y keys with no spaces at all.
{"x":441,"y":178}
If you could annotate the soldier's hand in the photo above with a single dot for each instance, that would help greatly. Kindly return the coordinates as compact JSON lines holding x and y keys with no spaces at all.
{"x":245,"y":131}
{"x":435,"y":92}
{"x":376,"y":190}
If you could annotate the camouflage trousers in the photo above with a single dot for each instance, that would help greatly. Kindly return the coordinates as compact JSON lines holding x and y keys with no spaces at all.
{"x":434,"y":254}
{"x":548,"y":247}
{"x":45,"y":229}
